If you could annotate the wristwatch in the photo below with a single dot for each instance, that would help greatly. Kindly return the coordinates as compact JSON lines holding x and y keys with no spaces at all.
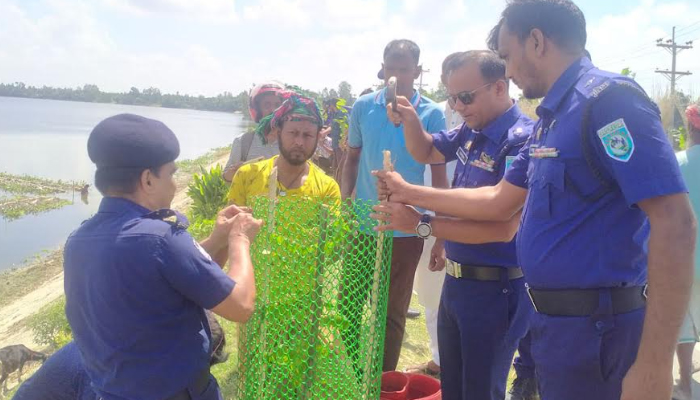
{"x":423,"y":229}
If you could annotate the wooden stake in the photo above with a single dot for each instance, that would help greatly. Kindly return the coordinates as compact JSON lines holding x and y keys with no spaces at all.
{"x":374,"y":301}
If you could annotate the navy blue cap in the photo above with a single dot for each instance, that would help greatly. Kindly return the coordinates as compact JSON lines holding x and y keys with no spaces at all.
{"x":132,"y":141}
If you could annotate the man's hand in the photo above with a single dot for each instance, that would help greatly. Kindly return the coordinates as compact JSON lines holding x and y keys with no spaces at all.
{"x":230,"y":171}
{"x":391,"y":186}
{"x":398,"y":217}
{"x":404,"y":111}
{"x":647,"y":382}
{"x":324,"y":132}
{"x":437,"y":256}
{"x":223,"y":224}
{"x":244,"y":227}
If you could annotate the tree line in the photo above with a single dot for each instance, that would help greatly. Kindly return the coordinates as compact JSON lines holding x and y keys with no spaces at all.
{"x":225,"y":102}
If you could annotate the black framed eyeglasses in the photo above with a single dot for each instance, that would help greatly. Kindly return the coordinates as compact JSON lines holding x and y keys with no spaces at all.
{"x":467,"y":97}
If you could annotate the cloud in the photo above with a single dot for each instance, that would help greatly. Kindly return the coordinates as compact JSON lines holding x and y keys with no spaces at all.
{"x":69,"y":47}
{"x":172,"y":44}
{"x":219,"y":11}
{"x":628,"y":40}
{"x":280,"y":13}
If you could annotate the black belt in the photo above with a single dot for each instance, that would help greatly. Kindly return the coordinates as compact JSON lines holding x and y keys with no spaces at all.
{"x":584,"y":302}
{"x":198,"y":385}
{"x":479,"y":273}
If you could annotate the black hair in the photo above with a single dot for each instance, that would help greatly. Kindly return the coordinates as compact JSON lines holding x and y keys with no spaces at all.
{"x":402,"y":47}
{"x":123,"y":180}
{"x":559,"y":20}
{"x":492,"y":67}
{"x":366,"y":91}
{"x":446,"y":67}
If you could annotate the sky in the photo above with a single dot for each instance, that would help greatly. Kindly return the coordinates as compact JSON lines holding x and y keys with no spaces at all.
{"x":211,"y":46}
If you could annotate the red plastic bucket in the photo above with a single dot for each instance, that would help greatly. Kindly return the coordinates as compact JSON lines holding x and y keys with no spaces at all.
{"x":394,"y":386}
{"x":423,"y":387}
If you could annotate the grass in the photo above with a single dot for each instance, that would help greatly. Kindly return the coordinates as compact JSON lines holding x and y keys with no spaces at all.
{"x":19,"y":206}
{"x":414,"y":350}
{"x":20,"y":281}
{"x":26,"y":184}
{"x":190,"y":167}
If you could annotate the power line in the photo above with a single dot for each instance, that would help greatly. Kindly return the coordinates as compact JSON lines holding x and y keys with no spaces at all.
{"x":688,"y":26}
{"x":672,"y":47}
{"x":641,"y":51}
{"x":689,"y":32}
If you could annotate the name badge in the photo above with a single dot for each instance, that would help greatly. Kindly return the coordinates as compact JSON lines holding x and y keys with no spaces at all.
{"x":462,"y":155}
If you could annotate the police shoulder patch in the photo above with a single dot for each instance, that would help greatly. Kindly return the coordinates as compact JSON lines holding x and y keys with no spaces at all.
{"x":201,"y":250}
{"x":617,"y":140}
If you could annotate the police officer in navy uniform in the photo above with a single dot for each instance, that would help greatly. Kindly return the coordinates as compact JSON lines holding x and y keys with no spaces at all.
{"x":484,"y":309}
{"x":137,"y":283}
{"x":604,"y":202}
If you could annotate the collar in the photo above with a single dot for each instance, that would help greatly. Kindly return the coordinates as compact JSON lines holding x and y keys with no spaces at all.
{"x":380,"y":98}
{"x":498,"y":127}
{"x":563,"y":84}
{"x":121,"y":205}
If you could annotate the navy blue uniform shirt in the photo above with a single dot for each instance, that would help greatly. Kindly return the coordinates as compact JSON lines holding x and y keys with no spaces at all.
{"x":136,"y":288}
{"x":567,"y":237}
{"x":482,"y":159}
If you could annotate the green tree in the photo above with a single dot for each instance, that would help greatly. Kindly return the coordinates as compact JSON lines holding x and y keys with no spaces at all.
{"x":345,"y":92}
{"x":439,"y":94}
{"x":628,"y":72}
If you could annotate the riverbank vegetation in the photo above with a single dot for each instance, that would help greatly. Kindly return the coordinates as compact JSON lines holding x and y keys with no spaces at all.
{"x":22,"y":195}
{"x":19,"y":206}
{"x":224,"y":102}
{"x":26,"y":184}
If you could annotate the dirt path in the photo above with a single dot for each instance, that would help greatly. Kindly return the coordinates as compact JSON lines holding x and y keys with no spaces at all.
{"x":12,"y":331}
{"x":24,"y":307}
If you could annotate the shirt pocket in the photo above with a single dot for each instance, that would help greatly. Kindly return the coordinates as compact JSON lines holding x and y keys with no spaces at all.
{"x":547,"y":177}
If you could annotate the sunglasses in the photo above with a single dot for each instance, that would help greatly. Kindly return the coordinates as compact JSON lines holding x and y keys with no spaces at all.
{"x":467,"y":97}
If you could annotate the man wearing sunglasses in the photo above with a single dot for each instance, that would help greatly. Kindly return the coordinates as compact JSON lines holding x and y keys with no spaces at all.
{"x":484,"y":309}
{"x":605,"y":211}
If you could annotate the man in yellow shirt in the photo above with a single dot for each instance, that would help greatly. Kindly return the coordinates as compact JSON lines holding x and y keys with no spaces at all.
{"x":297,"y":124}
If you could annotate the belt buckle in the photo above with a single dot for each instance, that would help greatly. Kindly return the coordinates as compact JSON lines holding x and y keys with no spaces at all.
{"x":454,"y":269}
{"x":532,"y":300}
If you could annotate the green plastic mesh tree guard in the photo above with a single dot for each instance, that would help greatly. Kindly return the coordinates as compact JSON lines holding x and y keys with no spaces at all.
{"x":322,"y":286}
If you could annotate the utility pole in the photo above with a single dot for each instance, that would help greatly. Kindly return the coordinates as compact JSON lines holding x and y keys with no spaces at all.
{"x":420,"y":84}
{"x":672,"y":47}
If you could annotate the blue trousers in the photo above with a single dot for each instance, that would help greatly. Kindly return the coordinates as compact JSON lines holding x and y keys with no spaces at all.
{"x":479,"y":326}
{"x":524,"y":364}
{"x":585,"y":357}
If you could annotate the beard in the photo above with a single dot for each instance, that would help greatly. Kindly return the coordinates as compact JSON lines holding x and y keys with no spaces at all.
{"x":295,"y":156}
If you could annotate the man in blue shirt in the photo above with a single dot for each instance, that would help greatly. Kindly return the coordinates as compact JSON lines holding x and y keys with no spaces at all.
{"x":370,"y":133}
{"x":484,"y":309}
{"x":689,"y":163}
{"x":604,"y":202}
{"x":137,"y":283}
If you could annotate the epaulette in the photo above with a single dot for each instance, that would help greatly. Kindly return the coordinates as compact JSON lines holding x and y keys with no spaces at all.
{"x":172,"y":217}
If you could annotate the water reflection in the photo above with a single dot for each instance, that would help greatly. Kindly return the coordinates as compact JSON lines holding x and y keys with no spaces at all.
{"x":48,"y":138}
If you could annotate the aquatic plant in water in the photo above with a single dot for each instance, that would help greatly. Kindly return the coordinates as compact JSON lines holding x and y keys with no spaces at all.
{"x":26,"y":184}
{"x":19,"y":206}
